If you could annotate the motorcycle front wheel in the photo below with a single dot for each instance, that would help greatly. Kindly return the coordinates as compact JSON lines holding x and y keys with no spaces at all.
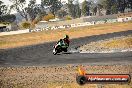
{"x":55,"y":52}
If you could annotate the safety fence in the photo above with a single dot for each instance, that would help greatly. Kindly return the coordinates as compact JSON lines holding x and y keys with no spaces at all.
{"x":14,"y":32}
{"x":79,"y":24}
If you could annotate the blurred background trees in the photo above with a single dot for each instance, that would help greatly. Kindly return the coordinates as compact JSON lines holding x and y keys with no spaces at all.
{"x":48,"y":17}
{"x":19,"y":6}
{"x":26,"y":25}
{"x":50,"y":9}
{"x":5,"y":16}
{"x":74,"y":8}
{"x":54,"y":5}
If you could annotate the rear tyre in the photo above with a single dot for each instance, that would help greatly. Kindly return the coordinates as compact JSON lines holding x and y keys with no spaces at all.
{"x":65,"y":50}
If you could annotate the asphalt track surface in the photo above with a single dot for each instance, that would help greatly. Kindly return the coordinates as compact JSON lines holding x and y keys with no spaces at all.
{"x":41,"y":54}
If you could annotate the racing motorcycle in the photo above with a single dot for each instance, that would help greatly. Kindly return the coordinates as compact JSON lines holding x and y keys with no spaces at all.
{"x":60,"y":48}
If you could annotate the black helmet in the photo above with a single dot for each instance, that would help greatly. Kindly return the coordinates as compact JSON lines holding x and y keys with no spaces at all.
{"x":61,"y":39}
{"x":66,"y":36}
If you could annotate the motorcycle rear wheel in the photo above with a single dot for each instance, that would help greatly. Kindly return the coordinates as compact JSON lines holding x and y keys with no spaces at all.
{"x":65,"y":50}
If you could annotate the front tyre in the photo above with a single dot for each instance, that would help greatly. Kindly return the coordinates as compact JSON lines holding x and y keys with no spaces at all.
{"x":55,"y":51}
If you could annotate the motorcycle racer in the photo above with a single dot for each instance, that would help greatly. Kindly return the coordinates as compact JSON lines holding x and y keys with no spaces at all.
{"x":66,"y":40}
{"x":61,"y":45}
